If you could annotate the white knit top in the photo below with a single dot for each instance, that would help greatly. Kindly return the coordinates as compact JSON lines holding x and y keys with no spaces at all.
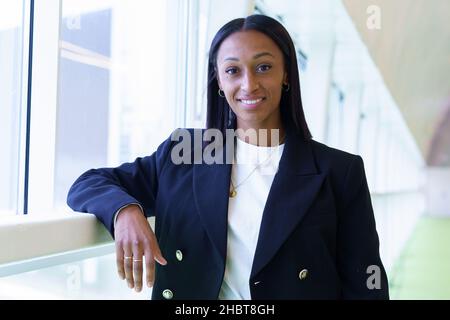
{"x":252,"y":176}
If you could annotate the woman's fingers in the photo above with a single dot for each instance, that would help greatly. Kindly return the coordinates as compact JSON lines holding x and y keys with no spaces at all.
{"x":130,"y":260}
{"x":136,"y":245}
{"x":137,"y":266}
{"x":119,"y":261}
{"x":152,"y":253}
{"x":149,"y":267}
{"x":128,"y":264}
{"x":155,"y":250}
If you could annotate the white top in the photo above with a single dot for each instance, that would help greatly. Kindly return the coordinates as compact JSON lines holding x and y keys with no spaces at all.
{"x":245,"y":212}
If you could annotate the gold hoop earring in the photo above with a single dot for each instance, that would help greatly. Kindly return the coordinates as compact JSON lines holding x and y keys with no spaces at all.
{"x":286,"y":87}
{"x":219,"y":93}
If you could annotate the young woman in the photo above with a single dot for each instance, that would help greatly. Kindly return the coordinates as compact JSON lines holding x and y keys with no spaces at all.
{"x":293,"y":222}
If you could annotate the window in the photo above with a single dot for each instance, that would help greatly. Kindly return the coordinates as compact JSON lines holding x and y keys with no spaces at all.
{"x":116,"y":78}
{"x":106,"y":89}
{"x":12,"y":89}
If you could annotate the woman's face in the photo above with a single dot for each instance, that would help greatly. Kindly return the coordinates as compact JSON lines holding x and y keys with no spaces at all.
{"x":250,"y":68}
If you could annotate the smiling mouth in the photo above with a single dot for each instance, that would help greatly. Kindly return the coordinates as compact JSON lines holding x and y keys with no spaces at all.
{"x":251,"y":102}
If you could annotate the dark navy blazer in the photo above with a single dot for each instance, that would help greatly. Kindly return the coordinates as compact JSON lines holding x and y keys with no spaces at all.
{"x":318,"y":216}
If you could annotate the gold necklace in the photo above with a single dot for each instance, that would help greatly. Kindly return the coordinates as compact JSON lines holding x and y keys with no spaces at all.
{"x":233,"y":191}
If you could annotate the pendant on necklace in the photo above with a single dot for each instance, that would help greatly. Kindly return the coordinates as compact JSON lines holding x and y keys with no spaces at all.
{"x":233,"y":193}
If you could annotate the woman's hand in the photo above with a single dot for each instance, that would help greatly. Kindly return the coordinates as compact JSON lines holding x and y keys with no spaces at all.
{"x":135,"y":244}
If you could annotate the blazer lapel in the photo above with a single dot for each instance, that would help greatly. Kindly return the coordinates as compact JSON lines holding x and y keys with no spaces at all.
{"x":293,"y":190}
{"x":211,"y":185}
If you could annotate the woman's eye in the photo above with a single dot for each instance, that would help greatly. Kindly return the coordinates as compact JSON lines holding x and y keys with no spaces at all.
{"x":264,"y":68}
{"x":231,"y":70}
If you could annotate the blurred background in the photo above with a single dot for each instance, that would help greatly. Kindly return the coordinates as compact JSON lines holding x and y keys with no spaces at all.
{"x":94,"y":83}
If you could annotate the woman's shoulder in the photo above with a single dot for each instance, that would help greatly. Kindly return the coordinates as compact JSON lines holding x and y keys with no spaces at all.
{"x":333,"y":157}
{"x":327,"y":151}
{"x":341,"y":166}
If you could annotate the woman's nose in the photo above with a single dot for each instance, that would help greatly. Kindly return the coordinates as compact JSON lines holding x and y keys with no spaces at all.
{"x":249,"y":82}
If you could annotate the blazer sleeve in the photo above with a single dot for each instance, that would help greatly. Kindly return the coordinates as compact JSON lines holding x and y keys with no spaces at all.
{"x":359,"y":264}
{"x":104,"y":191}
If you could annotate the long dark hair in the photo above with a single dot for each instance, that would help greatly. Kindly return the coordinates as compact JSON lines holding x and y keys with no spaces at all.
{"x":219,"y":114}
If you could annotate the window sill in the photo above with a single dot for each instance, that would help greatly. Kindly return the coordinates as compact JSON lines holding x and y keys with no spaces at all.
{"x":30,"y":238}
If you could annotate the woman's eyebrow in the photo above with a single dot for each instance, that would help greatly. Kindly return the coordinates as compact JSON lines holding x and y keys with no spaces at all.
{"x":262,"y":54}
{"x":256,"y":56}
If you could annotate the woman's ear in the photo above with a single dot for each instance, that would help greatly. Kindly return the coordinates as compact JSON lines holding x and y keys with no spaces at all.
{"x":285,"y":79}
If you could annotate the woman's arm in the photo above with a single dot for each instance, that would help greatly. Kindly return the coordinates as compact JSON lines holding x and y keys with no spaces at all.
{"x":123,"y":193}
{"x":359,"y":264}
{"x":104,"y":191}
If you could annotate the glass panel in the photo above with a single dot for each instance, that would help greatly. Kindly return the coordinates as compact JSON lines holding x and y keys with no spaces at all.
{"x":113,"y":95}
{"x":94,"y":278}
{"x":11,"y":53}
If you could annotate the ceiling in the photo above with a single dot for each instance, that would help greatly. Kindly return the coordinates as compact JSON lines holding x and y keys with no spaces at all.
{"x":412,"y":52}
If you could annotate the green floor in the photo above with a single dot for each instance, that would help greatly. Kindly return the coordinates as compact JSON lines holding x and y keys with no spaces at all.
{"x":423,"y":269}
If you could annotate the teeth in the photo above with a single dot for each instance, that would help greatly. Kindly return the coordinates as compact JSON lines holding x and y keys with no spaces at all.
{"x":251,"y":101}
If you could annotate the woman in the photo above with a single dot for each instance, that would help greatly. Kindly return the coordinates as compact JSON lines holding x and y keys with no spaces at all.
{"x":296,"y":225}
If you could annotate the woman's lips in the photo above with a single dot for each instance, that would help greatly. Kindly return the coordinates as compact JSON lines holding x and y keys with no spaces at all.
{"x":251,"y":103}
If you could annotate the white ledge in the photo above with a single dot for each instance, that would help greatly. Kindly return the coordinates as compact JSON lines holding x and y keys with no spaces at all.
{"x":55,"y":259}
{"x":28,"y":237}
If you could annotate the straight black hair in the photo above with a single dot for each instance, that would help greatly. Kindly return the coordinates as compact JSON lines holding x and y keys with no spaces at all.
{"x":219,"y":114}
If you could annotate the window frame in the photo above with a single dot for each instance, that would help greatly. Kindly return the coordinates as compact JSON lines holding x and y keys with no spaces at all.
{"x":37,"y":159}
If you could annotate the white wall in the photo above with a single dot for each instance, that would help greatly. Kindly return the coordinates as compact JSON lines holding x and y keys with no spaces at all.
{"x":438,"y":191}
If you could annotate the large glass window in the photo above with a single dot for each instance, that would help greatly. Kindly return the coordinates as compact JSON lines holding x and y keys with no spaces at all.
{"x":11,"y":93}
{"x":116,"y":86}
